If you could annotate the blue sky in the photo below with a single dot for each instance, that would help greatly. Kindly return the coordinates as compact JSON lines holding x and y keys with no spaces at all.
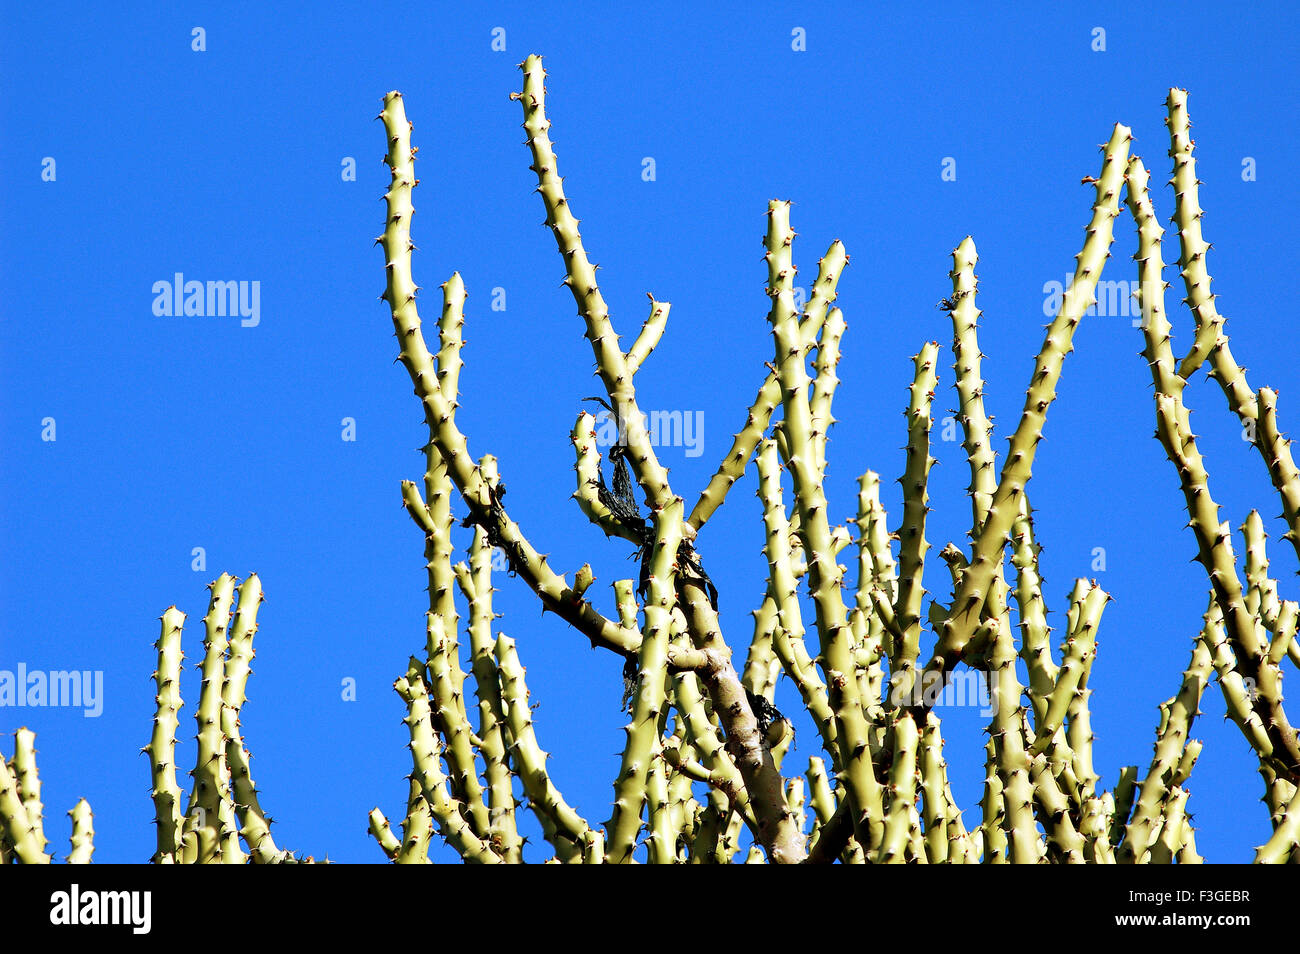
{"x":227,"y":164}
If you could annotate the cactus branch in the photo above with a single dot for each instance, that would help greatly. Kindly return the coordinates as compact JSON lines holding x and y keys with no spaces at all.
{"x":744,"y":442}
{"x":963,"y":619}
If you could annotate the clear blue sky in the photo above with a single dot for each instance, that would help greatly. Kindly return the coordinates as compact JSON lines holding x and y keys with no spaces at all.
{"x":226,"y":164}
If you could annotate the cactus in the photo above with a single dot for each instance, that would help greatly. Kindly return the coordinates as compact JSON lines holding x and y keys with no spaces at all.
{"x":867,"y":687}
{"x":703,"y":775}
{"x":223,"y":821}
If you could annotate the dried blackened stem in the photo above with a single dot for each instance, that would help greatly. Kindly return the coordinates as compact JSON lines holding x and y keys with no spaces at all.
{"x":620,"y":502}
{"x":615,"y":510}
{"x":691,"y":567}
{"x":765,"y":712}
{"x":617,"y":514}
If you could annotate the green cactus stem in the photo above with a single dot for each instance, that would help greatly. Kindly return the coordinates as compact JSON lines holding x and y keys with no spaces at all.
{"x":475,"y":582}
{"x":426,"y":754}
{"x":1255,"y":409}
{"x":745,"y":441}
{"x":1284,"y":845}
{"x":210,"y":833}
{"x":648,"y":710}
{"x":911,"y":531}
{"x":162,"y":746}
{"x":788,"y":639}
{"x":83,"y":834}
{"x":902,"y":789}
{"x":977,"y":428}
{"x":382,"y":832}
{"x":836,"y":657}
{"x":417,"y":829}
{"x":1173,"y":743}
{"x":20,"y":804}
{"x":651,"y":331}
{"x":611,"y":362}
{"x":824,"y":385}
{"x":969,"y":600}
{"x":565,"y":829}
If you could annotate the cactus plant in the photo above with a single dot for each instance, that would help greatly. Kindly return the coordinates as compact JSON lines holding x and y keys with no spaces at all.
{"x":865,"y":683}
{"x":703,"y":775}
